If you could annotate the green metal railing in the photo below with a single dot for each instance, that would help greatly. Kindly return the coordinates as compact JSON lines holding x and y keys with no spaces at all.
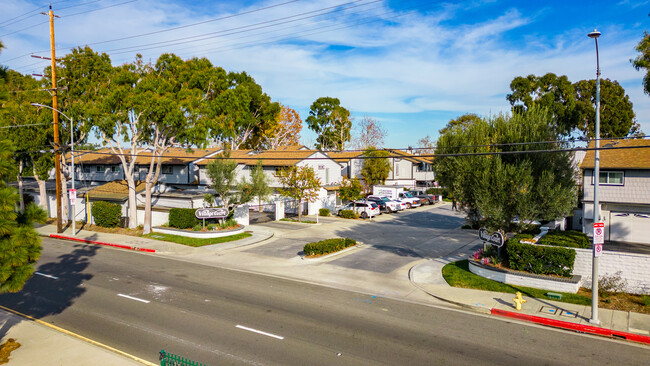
{"x":170,"y":359}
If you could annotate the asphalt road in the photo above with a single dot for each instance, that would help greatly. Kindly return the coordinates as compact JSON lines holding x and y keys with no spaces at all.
{"x":142,"y":303}
{"x":394,"y":240}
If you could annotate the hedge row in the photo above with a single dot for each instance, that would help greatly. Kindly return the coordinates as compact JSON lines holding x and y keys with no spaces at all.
{"x":106,"y":214}
{"x":349,"y":214}
{"x":328,"y":246}
{"x":569,"y":239}
{"x":538,"y":259}
{"x":323,"y":212}
{"x":183,"y":218}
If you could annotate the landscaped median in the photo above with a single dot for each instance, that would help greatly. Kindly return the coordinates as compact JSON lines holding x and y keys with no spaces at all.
{"x":327,"y":246}
{"x":196,"y":242}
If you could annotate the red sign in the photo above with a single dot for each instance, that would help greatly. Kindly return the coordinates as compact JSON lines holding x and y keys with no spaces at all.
{"x":599,"y":233}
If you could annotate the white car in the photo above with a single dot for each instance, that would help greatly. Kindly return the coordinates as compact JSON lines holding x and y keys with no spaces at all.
{"x":365,"y":209}
{"x":392,"y":205}
{"x":401,"y":206}
{"x":409,"y":200}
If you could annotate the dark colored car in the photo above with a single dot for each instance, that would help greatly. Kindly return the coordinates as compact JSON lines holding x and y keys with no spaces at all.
{"x":380,"y":203}
{"x":427,"y":199}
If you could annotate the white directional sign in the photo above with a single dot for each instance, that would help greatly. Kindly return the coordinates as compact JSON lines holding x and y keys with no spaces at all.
{"x":73,"y":196}
{"x":599,"y":233}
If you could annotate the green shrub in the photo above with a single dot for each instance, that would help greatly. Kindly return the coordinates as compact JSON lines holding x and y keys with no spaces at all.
{"x":106,"y":214}
{"x":328,"y":246}
{"x":539,"y":259}
{"x":228,"y":223}
{"x":197,"y":227}
{"x":533,"y":230}
{"x":569,"y":239}
{"x":183,"y":218}
{"x":348,"y":214}
{"x":324,"y":212}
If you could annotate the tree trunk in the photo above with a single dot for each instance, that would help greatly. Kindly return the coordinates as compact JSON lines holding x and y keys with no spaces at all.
{"x":146,"y":228}
{"x":42,"y":192}
{"x":20,"y":186}
{"x":300,"y":210}
{"x":133,"y":208}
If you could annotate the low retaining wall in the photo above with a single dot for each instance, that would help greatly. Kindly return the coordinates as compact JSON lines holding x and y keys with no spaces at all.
{"x":634,"y":268}
{"x":526,"y":279}
{"x":197,"y":234}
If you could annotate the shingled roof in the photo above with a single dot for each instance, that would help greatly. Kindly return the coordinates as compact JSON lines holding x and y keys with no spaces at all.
{"x":620,"y":154}
{"x":116,"y":190}
{"x":283,"y":156}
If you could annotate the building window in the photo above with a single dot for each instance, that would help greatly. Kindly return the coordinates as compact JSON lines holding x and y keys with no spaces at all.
{"x":115,"y":168}
{"x":611,"y":178}
{"x":86,"y":169}
{"x":99,"y":169}
{"x":167,"y":169}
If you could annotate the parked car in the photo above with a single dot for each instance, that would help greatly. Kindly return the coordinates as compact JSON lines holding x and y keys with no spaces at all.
{"x":428,"y":199}
{"x":385,"y":203}
{"x":409,"y":200}
{"x":365,"y":209}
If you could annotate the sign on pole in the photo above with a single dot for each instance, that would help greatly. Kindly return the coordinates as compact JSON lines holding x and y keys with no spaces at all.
{"x":73,"y":196}
{"x":599,"y":238}
{"x":211,"y":213}
{"x":599,"y":233}
{"x":495,"y":239}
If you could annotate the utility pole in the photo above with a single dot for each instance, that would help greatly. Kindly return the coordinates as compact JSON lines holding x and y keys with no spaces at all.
{"x":55,"y":116}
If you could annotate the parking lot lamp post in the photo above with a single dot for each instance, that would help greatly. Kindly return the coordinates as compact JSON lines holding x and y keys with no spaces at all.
{"x":74,"y":206}
{"x":594,"y":267}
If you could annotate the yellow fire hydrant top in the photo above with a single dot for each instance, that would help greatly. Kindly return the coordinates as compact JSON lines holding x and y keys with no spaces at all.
{"x":518,"y":301}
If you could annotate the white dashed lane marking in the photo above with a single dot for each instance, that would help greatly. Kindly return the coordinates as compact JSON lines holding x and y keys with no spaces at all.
{"x":259,"y":332}
{"x":134,"y":298}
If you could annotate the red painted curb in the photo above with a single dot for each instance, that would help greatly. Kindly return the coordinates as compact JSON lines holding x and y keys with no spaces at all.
{"x":573,"y":326}
{"x":102,"y":243}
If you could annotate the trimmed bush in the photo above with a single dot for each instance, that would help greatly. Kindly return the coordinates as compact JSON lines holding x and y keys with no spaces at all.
{"x":538,"y":259}
{"x":197,"y":227}
{"x":348,"y":214}
{"x":569,"y":239}
{"x":106,"y":214}
{"x":183,"y":218}
{"x":328,"y":246}
{"x":324,"y":212}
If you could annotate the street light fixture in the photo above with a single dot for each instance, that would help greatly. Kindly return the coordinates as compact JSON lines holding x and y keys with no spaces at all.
{"x":74,"y":205}
{"x":594,"y":266}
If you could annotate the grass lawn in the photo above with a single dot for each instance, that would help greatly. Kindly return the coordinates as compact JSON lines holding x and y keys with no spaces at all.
{"x":296,"y":220}
{"x":457,"y":274}
{"x":194,"y":242}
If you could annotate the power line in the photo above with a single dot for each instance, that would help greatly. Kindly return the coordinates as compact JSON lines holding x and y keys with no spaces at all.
{"x":360,"y":157}
{"x":2,"y":25}
{"x":240,"y":29}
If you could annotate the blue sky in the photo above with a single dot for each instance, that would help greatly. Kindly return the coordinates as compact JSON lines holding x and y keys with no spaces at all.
{"x":412,"y":64}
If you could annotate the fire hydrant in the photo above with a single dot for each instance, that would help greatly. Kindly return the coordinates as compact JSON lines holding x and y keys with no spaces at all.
{"x":518,"y":301}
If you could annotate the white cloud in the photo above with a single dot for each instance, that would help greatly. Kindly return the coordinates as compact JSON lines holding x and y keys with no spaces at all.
{"x":427,"y":61}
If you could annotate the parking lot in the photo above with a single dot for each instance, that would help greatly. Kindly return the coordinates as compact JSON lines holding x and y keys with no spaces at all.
{"x":391,"y":241}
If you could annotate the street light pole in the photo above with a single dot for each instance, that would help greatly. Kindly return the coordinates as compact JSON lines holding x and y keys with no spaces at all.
{"x":594,"y":266}
{"x":74,"y":205}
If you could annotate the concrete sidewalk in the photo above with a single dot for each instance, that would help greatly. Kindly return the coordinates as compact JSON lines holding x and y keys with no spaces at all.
{"x":44,"y":344}
{"x":621,"y":324}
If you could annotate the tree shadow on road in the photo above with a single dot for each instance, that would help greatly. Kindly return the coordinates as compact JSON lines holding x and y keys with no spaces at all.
{"x":53,"y":287}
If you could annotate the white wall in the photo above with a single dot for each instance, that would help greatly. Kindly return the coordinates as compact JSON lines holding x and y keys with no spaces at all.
{"x":634,"y":268}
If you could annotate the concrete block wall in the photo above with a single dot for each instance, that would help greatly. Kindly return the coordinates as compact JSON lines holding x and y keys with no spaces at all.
{"x":634,"y":268}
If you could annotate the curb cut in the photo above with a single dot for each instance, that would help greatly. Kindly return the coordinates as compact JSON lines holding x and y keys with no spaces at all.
{"x":573,"y":326}
{"x":473,"y":308}
{"x":103,"y":243}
